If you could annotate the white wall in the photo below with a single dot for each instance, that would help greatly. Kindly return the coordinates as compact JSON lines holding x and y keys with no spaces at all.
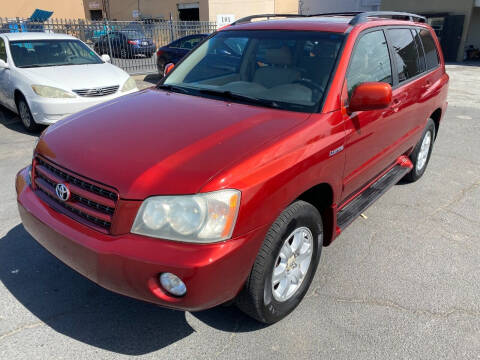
{"x":321,"y":6}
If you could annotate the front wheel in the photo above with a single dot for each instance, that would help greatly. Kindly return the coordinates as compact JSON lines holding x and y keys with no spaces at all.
{"x":421,"y":154}
{"x":26,"y":116}
{"x":285,"y":265}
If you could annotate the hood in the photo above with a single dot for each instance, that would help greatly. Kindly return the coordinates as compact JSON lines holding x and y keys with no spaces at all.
{"x":76,"y":76}
{"x":158,"y":143}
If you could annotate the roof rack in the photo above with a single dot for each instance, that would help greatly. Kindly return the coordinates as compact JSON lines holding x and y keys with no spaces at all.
{"x":363,"y":17}
{"x":358,"y":16}
{"x":248,"y":19}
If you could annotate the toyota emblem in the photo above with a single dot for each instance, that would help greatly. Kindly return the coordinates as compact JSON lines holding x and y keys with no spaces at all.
{"x":62,"y":192}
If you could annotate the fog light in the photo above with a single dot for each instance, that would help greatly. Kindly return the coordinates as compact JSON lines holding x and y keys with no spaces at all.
{"x":173,"y":284}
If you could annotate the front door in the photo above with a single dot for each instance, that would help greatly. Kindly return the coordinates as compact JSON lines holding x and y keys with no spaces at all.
{"x":368,"y":133}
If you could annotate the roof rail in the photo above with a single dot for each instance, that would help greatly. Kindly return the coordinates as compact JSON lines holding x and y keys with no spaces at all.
{"x":363,"y":17}
{"x":358,"y":16}
{"x":247,"y":19}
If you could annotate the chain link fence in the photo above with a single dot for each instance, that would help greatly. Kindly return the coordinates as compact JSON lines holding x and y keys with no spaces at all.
{"x":132,"y":45}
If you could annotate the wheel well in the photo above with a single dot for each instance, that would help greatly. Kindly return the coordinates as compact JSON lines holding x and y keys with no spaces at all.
{"x":436,"y":116}
{"x":321,"y":196}
{"x":17,"y":95}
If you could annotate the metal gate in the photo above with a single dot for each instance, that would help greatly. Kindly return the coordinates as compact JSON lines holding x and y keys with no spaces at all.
{"x":132,"y":45}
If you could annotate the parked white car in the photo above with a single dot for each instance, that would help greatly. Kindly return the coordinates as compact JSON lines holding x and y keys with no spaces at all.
{"x":45,"y":77}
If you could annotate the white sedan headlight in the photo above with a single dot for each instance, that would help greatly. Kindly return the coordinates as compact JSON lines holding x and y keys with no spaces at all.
{"x":130,"y":84}
{"x":51,"y":92}
{"x":201,"y":218}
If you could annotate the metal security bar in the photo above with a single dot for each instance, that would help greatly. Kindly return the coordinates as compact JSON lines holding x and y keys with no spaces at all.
{"x":132,"y":45}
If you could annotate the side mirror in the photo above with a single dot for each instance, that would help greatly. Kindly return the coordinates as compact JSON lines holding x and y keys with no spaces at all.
{"x":106,"y":58}
{"x":370,"y":96}
{"x":3,"y":64}
{"x":169,"y":67}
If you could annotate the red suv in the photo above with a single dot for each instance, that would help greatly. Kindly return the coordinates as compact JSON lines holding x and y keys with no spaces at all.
{"x":226,"y":180}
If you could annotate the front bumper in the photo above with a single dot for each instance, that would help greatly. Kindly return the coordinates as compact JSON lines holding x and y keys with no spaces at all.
{"x":130,"y":264}
{"x":48,"y":111}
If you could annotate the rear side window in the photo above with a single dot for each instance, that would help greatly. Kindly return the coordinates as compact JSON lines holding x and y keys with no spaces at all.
{"x":370,"y":61}
{"x":405,"y":53}
{"x":431,"y":53}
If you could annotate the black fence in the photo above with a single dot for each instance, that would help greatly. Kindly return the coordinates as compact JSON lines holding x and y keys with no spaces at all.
{"x":132,"y":45}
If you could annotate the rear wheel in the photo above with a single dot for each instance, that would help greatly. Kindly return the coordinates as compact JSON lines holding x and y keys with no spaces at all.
{"x":26,"y":116}
{"x":285,"y":264}
{"x":421,"y":154}
{"x":161,"y":62}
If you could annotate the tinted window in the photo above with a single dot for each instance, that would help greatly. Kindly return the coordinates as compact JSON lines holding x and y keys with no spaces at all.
{"x":3,"y":51}
{"x":370,"y":61}
{"x":405,"y":53}
{"x":189,"y":43}
{"x":418,"y":45}
{"x":431,"y":53}
{"x":280,"y":69}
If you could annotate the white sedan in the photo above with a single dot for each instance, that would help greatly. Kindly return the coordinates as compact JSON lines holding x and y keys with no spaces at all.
{"x":45,"y":77}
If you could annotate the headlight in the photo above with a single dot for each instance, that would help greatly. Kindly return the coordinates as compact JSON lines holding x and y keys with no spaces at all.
{"x":51,"y":92}
{"x":130,"y":84}
{"x":200,"y":218}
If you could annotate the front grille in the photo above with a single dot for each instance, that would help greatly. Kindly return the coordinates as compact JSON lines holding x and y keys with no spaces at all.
{"x":97,"y":91}
{"x":88,"y":203}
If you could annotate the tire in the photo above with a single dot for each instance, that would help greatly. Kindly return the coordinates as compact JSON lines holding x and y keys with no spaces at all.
{"x":161,"y":62}
{"x":421,"y":154}
{"x":124,"y":53}
{"x":262,"y":298}
{"x":26,"y":116}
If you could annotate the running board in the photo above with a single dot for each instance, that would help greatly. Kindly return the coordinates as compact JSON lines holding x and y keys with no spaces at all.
{"x":367,"y":197}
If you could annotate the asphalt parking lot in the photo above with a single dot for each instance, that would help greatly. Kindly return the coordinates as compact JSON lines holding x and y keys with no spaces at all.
{"x":402,"y":283}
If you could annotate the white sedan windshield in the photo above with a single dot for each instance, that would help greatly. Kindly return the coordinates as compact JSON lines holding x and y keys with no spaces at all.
{"x":42,"y":53}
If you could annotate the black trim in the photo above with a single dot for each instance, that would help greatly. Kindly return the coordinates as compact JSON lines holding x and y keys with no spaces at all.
{"x":358,"y":16}
{"x":367,"y":197}
{"x":363,"y":17}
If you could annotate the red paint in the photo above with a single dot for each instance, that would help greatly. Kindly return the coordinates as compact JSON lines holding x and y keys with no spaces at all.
{"x":162,"y":143}
{"x":370,"y":96}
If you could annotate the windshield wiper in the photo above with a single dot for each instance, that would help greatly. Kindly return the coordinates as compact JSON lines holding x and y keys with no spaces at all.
{"x":174,"y":88}
{"x":236,"y":96}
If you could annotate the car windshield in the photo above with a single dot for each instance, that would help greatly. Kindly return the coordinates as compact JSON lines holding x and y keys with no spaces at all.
{"x":42,"y":53}
{"x":282,"y":69}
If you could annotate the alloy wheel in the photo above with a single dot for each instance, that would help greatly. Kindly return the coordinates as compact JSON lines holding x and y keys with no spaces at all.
{"x":292,"y":264}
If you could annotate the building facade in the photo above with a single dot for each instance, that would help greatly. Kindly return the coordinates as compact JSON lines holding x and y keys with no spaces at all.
{"x":201,"y":10}
{"x":456,"y":22}
{"x":326,"y":6}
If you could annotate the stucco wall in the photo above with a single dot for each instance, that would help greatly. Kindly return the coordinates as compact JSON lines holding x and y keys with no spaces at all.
{"x":122,"y":9}
{"x":322,"y":6}
{"x":240,"y":8}
{"x":64,"y":9}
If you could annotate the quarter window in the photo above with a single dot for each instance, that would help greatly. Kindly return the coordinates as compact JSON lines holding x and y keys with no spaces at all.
{"x":3,"y":50}
{"x":421,"y":55}
{"x":405,"y":53}
{"x":431,"y":53}
{"x":370,"y":61}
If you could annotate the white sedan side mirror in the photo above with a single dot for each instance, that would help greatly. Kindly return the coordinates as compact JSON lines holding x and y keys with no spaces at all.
{"x":3,"y":64}
{"x":106,"y":58}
